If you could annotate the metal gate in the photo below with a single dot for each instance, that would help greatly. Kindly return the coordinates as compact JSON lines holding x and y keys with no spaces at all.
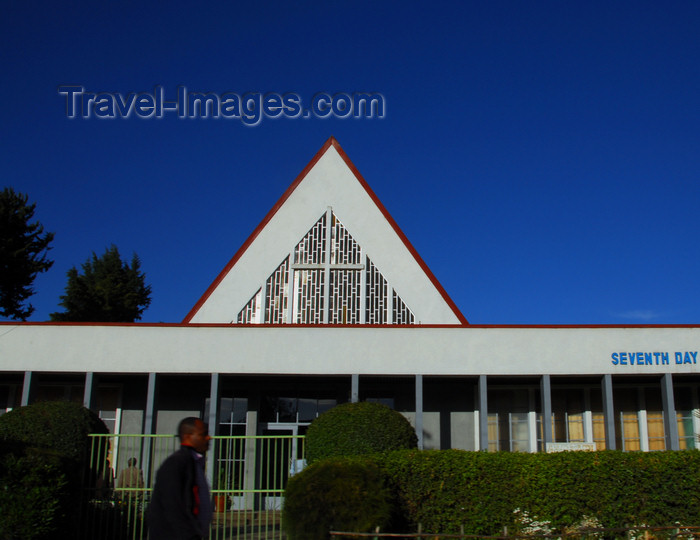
{"x":247,"y":475}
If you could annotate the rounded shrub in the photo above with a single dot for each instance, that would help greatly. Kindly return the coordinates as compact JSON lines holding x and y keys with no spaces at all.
{"x":335,"y":494}
{"x":61,"y":426}
{"x":358,"y":428}
{"x":53,"y":433}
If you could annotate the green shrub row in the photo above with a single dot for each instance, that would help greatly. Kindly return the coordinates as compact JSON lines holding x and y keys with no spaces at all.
{"x":389,"y":483}
{"x":481,"y":493}
{"x":445,"y":490}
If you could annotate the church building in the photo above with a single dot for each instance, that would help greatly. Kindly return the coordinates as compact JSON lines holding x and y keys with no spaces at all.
{"x":328,"y":302}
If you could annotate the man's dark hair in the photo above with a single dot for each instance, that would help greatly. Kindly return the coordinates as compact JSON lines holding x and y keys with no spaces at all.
{"x":187,"y":425}
{"x":132,"y":462}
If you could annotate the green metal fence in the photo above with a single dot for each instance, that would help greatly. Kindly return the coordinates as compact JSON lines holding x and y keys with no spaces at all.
{"x":247,"y":474}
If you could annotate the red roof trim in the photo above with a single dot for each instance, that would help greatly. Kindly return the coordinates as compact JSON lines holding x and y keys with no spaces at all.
{"x":354,"y":326}
{"x":257,"y":230}
{"x":330,"y":142}
{"x":399,"y":232}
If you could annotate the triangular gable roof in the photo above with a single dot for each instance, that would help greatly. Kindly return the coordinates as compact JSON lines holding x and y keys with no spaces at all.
{"x":330,"y":180}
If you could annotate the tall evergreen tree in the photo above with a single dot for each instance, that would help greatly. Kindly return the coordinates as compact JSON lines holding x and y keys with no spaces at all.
{"x":23,"y":249}
{"x":108,"y":290}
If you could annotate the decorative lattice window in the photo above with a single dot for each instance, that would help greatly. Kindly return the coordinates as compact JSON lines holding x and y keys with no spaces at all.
{"x":402,"y":315}
{"x":276,"y":294}
{"x":377,"y":288}
{"x":312,"y":248}
{"x":251,"y":312}
{"x":345,"y":297}
{"x":344,"y":249}
{"x":326,"y":279}
{"x":308,"y":285}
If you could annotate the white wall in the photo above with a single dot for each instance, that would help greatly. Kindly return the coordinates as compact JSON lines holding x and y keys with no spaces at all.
{"x":336,"y":350}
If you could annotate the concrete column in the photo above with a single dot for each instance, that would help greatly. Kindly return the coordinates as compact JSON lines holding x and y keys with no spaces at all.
{"x":251,"y":430}
{"x":148,"y":426}
{"x":354,"y":388}
{"x":546,"y":397}
{"x":483,"y":414}
{"x":670,"y":421}
{"x":642,"y":421}
{"x":419,"y":410}
{"x":696,"y":419}
{"x":26,"y":388}
{"x":87,"y":392}
{"x":587,"y":417}
{"x":608,"y":412}
{"x":213,"y":422}
{"x":532,"y":420}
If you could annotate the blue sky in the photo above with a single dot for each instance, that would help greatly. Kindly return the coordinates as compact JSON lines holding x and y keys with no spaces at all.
{"x":542,"y":157}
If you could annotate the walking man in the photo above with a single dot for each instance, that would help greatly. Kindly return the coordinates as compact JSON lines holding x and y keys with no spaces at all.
{"x":181,"y":507}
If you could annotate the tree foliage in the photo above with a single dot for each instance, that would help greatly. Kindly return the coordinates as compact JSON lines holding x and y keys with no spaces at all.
{"x":107,"y":290}
{"x":23,"y":248}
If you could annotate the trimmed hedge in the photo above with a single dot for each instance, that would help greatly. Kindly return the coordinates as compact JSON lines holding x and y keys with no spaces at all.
{"x":358,"y":428}
{"x":335,"y":494}
{"x":58,"y":425}
{"x":444,"y":490}
{"x":48,"y":443}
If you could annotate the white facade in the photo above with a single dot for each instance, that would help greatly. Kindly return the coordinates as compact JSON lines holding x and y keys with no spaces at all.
{"x":424,"y":350}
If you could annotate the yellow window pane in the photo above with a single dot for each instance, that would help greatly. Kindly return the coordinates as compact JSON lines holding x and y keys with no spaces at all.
{"x":655,"y":425}
{"x":575,"y":431}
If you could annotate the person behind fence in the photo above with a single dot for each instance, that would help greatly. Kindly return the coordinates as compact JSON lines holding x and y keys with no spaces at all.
{"x":130,"y":482}
{"x":181,"y":506}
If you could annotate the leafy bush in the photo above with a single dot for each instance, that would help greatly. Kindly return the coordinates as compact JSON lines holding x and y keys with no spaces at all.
{"x":60,"y":425}
{"x":445,"y":490}
{"x":358,"y":428}
{"x":30,"y":488}
{"x":335,"y":494}
{"x":57,"y":432}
